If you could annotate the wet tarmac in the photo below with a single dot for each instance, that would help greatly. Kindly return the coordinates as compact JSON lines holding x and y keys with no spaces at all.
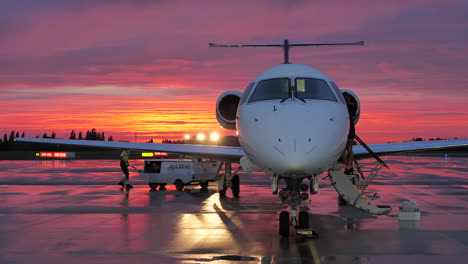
{"x":71,"y":212}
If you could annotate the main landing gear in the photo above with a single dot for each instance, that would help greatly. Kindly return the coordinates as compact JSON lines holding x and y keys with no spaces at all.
{"x":294,"y":195}
{"x":228,"y":180}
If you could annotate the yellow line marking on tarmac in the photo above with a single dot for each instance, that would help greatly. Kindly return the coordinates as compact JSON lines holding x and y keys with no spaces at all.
{"x":313,"y":251}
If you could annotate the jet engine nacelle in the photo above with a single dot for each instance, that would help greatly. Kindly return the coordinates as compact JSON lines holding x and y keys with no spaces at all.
{"x":226,"y":108}
{"x":356,"y":105}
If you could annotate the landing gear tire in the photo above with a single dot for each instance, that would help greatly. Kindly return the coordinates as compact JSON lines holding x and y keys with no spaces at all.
{"x":204,"y":185}
{"x":284,"y":224}
{"x":222,"y":193}
{"x":153,"y":185}
{"x":179,"y":185}
{"x":235,"y":185}
{"x":162,"y":186}
{"x":303,"y":220}
{"x":304,"y":224}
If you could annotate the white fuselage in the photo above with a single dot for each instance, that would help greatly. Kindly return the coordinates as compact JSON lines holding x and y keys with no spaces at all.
{"x":293,"y":138}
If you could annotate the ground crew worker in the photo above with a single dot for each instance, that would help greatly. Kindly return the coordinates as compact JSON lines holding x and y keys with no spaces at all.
{"x":124,"y":156}
{"x":348,"y":153}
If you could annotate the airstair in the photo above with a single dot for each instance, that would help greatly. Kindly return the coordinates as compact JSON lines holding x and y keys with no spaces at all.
{"x":352,"y":187}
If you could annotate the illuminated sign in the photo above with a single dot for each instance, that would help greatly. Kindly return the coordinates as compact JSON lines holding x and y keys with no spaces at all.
{"x":152,"y":154}
{"x":61,"y":155}
{"x":56,"y":155}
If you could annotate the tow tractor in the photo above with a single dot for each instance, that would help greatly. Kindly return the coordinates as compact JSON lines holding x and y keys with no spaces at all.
{"x":180,"y":172}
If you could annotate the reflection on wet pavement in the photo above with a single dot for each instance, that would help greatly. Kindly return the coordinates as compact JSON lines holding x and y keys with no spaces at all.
{"x":72,"y":212}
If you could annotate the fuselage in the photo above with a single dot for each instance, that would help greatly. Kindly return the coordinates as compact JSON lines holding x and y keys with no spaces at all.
{"x":292,"y":121}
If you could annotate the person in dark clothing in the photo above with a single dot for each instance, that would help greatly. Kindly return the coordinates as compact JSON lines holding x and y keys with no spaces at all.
{"x":124,"y":157}
{"x":348,"y":155}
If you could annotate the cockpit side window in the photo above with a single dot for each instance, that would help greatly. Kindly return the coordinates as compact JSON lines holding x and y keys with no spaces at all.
{"x":308,"y":88}
{"x":246,"y":93}
{"x":272,"y":89}
{"x":337,"y":92}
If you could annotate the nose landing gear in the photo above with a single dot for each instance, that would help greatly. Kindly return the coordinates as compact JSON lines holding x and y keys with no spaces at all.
{"x":293,"y":195}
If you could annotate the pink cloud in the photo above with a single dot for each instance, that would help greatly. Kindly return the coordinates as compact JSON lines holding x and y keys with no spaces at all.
{"x":97,"y":55}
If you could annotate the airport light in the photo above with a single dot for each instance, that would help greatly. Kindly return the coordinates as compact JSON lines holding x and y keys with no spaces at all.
{"x":200,"y":136}
{"x":187,"y":137}
{"x":214,"y":136}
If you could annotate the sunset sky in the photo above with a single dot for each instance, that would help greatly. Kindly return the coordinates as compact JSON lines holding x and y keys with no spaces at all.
{"x":144,"y":66}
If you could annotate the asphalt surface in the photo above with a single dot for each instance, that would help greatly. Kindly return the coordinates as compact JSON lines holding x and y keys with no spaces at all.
{"x":72,"y":212}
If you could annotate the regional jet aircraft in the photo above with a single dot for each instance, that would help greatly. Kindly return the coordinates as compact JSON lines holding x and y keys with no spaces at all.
{"x":293,"y":123}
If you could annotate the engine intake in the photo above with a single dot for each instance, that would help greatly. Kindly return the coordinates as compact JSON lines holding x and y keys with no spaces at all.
{"x":355,"y":105}
{"x":226,"y":109}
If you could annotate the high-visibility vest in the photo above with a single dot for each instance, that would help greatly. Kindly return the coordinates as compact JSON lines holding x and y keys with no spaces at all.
{"x":124,"y":156}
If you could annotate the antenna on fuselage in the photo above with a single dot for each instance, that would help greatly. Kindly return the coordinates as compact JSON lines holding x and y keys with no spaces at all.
{"x":286,"y":45}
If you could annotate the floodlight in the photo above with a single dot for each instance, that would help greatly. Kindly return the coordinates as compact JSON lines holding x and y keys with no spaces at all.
{"x":200,"y":136}
{"x":214,"y":136}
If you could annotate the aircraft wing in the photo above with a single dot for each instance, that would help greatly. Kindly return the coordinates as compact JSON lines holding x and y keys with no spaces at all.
{"x":389,"y":148}
{"x":204,"y":151}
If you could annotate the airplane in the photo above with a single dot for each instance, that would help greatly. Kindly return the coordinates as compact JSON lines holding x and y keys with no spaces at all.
{"x":292,"y":122}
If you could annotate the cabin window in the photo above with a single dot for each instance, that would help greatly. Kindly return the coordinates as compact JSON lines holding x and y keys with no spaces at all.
{"x":246,"y":93}
{"x":308,"y":88}
{"x":272,"y":89}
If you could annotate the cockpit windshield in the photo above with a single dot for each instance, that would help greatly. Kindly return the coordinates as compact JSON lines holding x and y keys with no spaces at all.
{"x":271,"y":89}
{"x":303,"y":88}
{"x":308,"y":88}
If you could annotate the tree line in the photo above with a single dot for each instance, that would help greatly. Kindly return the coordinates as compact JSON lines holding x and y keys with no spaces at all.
{"x":8,"y":141}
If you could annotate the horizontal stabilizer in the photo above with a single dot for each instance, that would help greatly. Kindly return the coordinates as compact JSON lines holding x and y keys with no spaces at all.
{"x":350,"y":194}
{"x":286,"y":45}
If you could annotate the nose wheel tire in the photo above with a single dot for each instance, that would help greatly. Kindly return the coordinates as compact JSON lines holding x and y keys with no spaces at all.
{"x":303,"y":220}
{"x":284,"y":224}
{"x":179,"y":185}
{"x":235,"y":185}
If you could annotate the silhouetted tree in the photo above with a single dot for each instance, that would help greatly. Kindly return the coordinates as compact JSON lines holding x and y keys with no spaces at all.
{"x":103,"y":137}
{"x":91,"y":135}
{"x":45,"y":135}
{"x":80,"y":136}
{"x":53,"y":134}
{"x":150,"y":141}
{"x":5,"y":138}
{"x":22,"y":135}
{"x":12,"y":136}
{"x":17,"y":134}
{"x":110,"y":138}
{"x":72,"y":134}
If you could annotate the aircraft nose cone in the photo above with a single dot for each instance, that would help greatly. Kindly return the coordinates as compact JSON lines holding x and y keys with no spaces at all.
{"x":294,"y":151}
{"x":294,"y":137}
